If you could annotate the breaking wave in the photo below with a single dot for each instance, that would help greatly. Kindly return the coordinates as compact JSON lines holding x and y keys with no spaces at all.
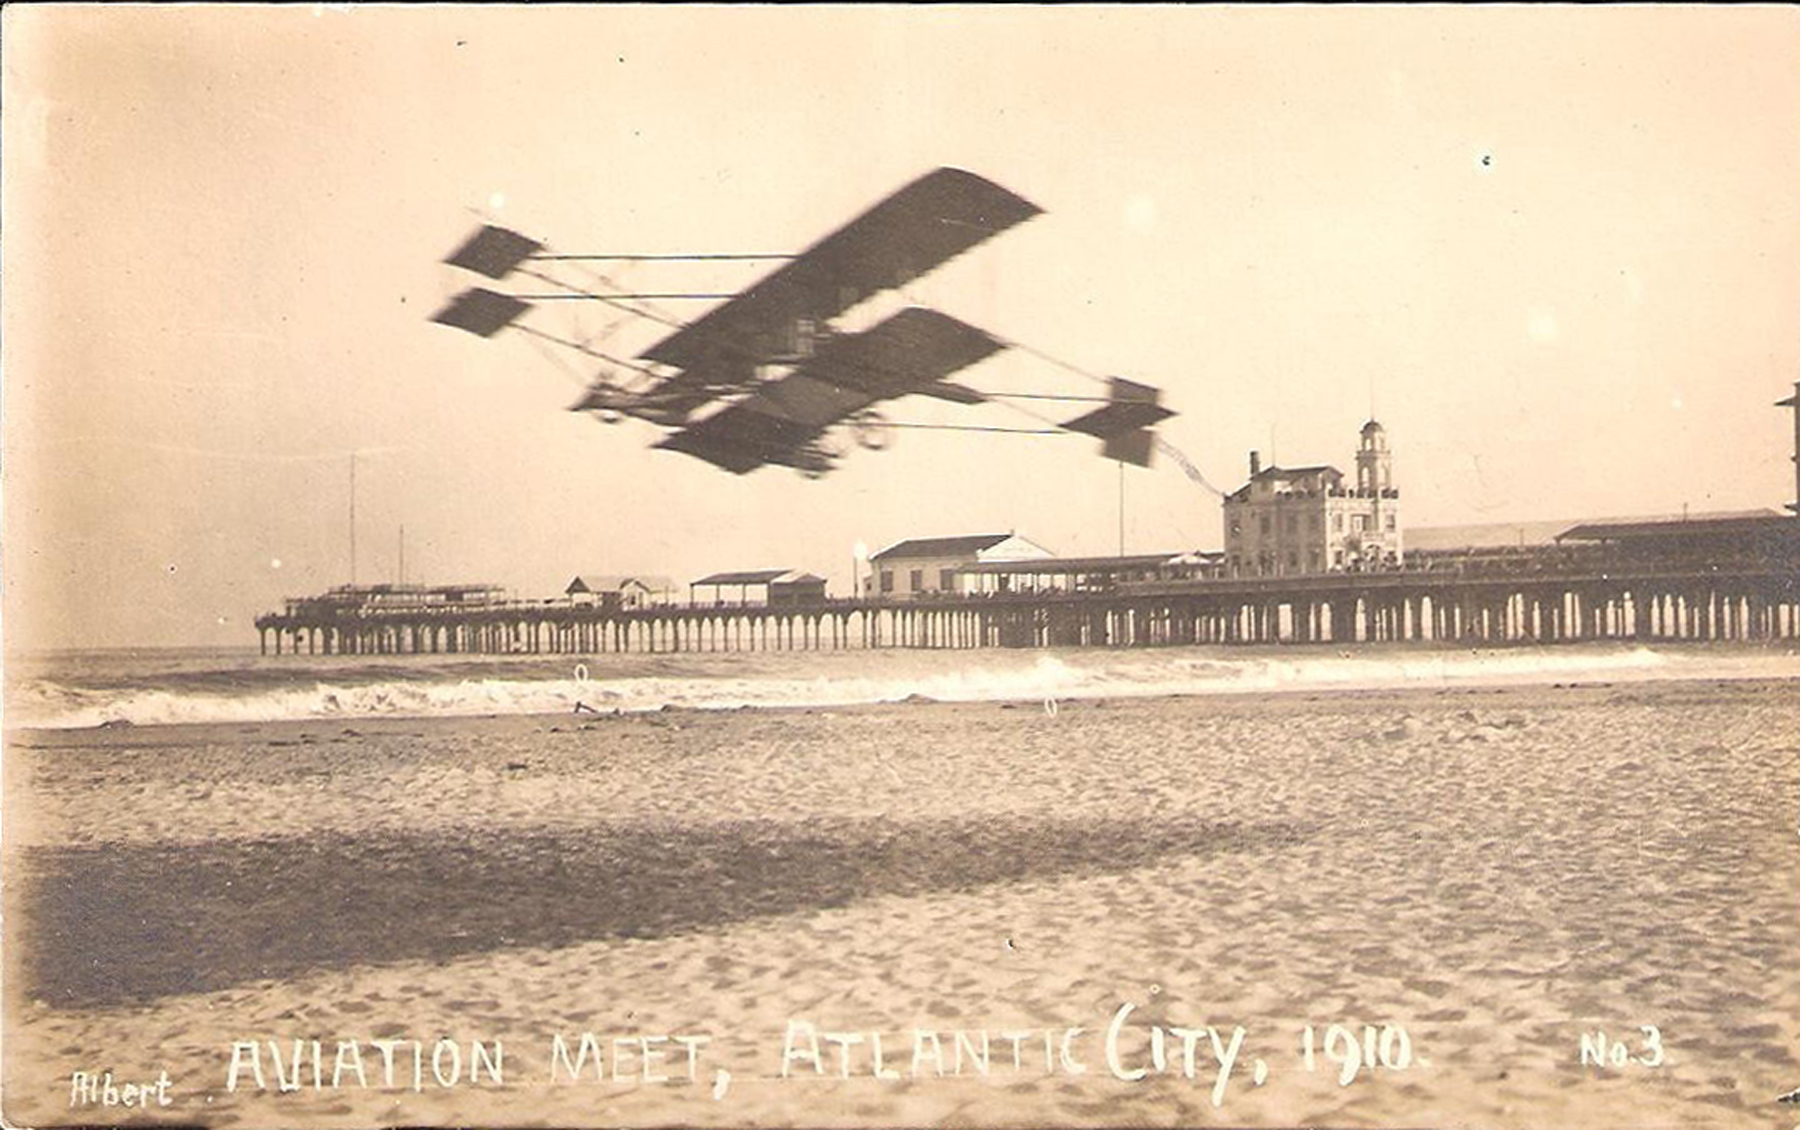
{"x":120,"y":690}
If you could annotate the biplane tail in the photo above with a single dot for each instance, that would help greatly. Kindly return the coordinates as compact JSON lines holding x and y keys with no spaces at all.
{"x":1123,"y":424}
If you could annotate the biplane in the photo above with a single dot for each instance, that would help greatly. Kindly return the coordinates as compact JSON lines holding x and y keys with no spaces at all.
{"x":768,"y":376}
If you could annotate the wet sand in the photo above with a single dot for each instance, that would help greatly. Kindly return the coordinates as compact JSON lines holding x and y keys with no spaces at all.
{"x":1497,"y":870}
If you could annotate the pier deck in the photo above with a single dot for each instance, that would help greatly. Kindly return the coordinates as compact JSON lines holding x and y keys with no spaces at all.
{"x":1756,"y":600}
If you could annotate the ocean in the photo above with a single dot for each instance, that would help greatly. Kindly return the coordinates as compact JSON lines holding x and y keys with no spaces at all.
{"x":77,"y":689}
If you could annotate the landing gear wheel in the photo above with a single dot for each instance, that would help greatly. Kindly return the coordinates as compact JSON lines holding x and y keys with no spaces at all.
{"x":871,"y":431}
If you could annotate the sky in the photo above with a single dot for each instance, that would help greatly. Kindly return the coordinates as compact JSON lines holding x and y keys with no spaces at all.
{"x":1555,"y":250}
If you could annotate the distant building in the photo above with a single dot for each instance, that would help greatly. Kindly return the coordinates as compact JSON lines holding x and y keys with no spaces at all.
{"x":924,"y":566}
{"x":1697,"y":540}
{"x":1482,"y":536}
{"x":397,"y":598}
{"x":1087,"y":574}
{"x":797,"y":588}
{"x":617,"y":592}
{"x":1683,"y":541}
{"x":1505,"y":546}
{"x":1294,"y":520}
{"x":777,"y":587}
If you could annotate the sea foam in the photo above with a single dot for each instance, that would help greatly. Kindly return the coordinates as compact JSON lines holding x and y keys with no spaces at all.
{"x":254,"y":690}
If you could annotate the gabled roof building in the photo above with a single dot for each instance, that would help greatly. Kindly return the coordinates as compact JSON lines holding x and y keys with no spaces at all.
{"x":779,"y":586}
{"x":925,"y":566}
{"x":612,"y":590}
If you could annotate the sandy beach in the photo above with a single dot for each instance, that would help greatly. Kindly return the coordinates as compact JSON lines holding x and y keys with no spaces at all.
{"x":1496,"y":870}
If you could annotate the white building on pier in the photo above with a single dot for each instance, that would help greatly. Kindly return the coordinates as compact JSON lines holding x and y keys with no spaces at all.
{"x":1296,"y":520}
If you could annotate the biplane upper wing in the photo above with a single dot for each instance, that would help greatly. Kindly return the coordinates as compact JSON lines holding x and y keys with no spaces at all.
{"x":918,"y":228}
{"x":908,"y":353}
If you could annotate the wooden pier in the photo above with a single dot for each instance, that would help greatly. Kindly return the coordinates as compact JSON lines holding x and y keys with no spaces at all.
{"x":1751,"y":601}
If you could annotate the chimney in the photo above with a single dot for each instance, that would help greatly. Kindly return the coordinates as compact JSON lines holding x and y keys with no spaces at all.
{"x":1255,"y":463}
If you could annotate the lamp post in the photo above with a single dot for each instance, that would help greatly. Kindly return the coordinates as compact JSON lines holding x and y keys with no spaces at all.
{"x":859,"y":553}
{"x":1794,"y":403}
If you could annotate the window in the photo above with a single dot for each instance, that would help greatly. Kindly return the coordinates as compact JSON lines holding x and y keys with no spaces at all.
{"x":946,"y":579}
{"x":1359,"y":522}
{"x":887,"y":580}
{"x":1293,"y":523}
{"x":916,"y":582}
{"x":1262,"y":522}
{"x":1337,"y":523}
{"x":1390,"y":521}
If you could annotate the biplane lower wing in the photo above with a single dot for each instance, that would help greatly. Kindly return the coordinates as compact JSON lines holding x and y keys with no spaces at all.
{"x":782,"y":421}
{"x":740,"y":441}
{"x":907,"y":353}
{"x":920,"y":227}
{"x":672,"y":400}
